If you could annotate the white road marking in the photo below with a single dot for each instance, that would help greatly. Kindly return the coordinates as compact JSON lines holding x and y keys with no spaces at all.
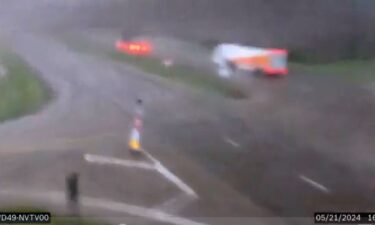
{"x":315,"y":184}
{"x":104,"y":160}
{"x":175,"y":204}
{"x":170,"y":176}
{"x":232,"y":142}
{"x":56,"y":197}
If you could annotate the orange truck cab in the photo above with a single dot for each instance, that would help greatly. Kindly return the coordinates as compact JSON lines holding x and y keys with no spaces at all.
{"x":231,"y":57}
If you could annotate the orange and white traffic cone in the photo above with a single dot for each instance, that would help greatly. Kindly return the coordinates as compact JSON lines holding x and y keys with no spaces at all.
{"x":135,"y":141}
{"x":135,"y":134}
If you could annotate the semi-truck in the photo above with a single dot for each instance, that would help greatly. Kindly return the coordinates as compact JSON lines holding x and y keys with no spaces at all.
{"x":231,"y":58}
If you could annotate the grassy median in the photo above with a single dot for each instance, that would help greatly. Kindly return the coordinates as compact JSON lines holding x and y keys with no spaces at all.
{"x":358,"y":71}
{"x":198,"y":79}
{"x":21,"y":92}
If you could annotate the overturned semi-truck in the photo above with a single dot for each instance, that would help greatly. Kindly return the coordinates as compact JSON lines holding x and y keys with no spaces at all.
{"x":231,"y":58}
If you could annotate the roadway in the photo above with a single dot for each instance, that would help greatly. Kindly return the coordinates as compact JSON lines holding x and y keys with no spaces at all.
{"x":296,"y":146}
{"x":91,"y":114}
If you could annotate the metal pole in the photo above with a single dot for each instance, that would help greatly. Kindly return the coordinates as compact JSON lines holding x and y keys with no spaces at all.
{"x":72,"y":193}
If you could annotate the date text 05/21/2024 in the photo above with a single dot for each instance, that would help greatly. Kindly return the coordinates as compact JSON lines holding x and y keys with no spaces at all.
{"x":344,"y":217}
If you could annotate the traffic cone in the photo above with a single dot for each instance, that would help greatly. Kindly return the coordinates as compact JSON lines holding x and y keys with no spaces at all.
{"x":135,"y":141}
{"x":135,"y":133}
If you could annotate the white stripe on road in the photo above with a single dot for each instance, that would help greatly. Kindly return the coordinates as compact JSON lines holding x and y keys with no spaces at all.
{"x":315,"y":184}
{"x":175,"y":204}
{"x":170,"y":176}
{"x":104,"y":160}
{"x":56,"y":197}
{"x":231,"y":142}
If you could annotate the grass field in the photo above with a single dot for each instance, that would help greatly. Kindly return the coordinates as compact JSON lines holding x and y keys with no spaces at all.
{"x":360,"y":71}
{"x":200,"y":80}
{"x":21,"y":92}
{"x":185,"y":74}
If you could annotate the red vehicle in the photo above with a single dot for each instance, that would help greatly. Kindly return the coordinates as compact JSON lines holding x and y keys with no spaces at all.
{"x":134,"y":47}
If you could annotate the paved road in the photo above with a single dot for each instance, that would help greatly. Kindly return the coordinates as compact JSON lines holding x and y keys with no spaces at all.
{"x":296,"y":146}
{"x":91,"y":113}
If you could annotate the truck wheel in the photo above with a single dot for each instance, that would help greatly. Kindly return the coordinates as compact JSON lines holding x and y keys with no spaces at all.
{"x":258,"y":73}
{"x":232,"y":67}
